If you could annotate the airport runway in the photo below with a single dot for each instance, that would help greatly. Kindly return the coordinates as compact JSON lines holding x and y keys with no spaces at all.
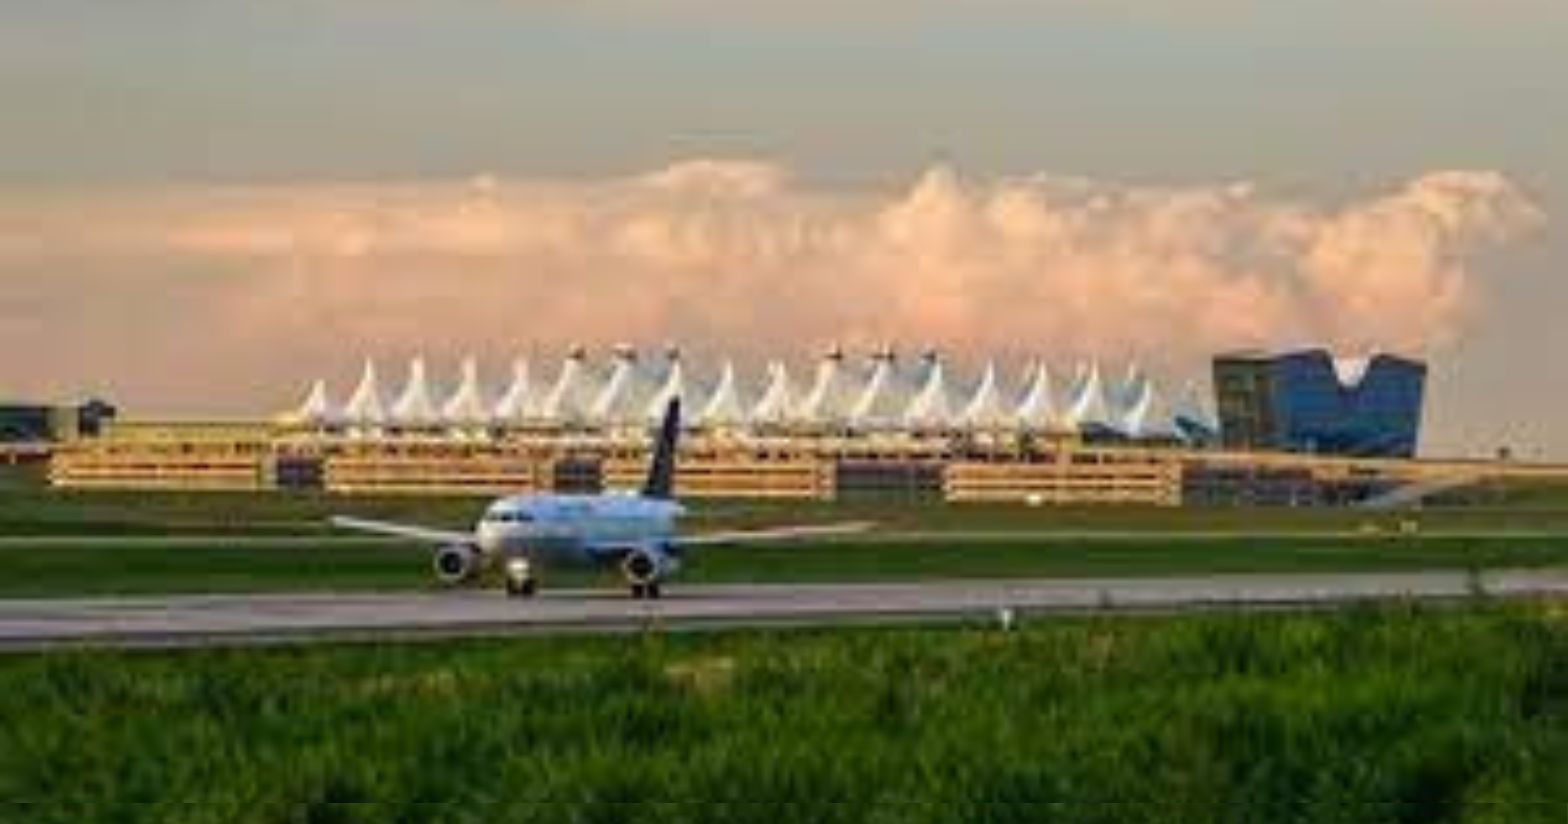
{"x":235,"y":619}
{"x":968,"y":536}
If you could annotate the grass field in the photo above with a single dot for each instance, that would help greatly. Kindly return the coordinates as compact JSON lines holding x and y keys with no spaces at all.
{"x":246,"y":564}
{"x":67,"y":542}
{"x":30,"y":510}
{"x":1370,"y":715}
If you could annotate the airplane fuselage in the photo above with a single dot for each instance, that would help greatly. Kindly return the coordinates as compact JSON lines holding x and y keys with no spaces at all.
{"x":551,"y":530}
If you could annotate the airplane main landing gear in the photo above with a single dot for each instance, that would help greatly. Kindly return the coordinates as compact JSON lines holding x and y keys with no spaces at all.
{"x":645,"y":591}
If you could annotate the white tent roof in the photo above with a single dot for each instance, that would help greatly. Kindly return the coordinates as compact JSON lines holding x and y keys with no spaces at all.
{"x":986,"y":409}
{"x":365,"y":405}
{"x":316,"y":408}
{"x":831,"y":393}
{"x":414,"y":404}
{"x":1149,"y":416}
{"x":932,"y":405}
{"x":516,"y":402}
{"x":674,"y":386}
{"x":1088,"y":408}
{"x":621,"y":398}
{"x":884,"y":397}
{"x":890,"y":394}
{"x":467,"y":404}
{"x":568,"y":398}
{"x":1037,"y":409}
{"x":1350,"y":371}
{"x":724,"y":407}
{"x":776,"y":405}
{"x":1122,"y":395}
{"x":1192,"y":411}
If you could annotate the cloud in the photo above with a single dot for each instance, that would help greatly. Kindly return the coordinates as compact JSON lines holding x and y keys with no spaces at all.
{"x":233,"y":295}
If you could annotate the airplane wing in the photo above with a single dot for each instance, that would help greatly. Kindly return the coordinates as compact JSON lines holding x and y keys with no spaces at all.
{"x":778,"y":534}
{"x":418,"y":533}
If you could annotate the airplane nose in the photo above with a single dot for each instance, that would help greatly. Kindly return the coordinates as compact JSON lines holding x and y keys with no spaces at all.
{"x":490,"y":538}
{"x":496,"y":538}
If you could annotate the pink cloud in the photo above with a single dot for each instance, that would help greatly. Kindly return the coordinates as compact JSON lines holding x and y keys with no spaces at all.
{"x":234,"y":296}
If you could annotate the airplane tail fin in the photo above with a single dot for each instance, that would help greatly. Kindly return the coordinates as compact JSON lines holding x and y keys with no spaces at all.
{"x":661,"y":472}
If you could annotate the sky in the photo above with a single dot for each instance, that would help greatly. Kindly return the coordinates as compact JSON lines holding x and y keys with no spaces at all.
{"x":205,"y":204}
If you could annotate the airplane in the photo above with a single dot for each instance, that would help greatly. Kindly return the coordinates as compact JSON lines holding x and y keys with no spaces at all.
{"x":523,"y":535}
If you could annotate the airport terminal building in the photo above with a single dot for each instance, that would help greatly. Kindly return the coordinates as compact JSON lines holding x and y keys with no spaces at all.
{"x":876,"y":395}
{"x":1310,"y":402}
{"x":872,"y":426}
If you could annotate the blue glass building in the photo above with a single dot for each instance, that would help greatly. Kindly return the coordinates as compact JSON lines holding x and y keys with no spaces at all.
{"x":1309,"y":402}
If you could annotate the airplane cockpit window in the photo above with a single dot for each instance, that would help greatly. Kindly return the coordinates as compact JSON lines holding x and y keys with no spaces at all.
{"x":507,"y":517}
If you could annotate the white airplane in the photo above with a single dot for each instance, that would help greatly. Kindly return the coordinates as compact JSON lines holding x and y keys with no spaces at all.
{"x":526,"y":534}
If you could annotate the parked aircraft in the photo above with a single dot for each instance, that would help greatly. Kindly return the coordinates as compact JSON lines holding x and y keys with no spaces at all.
{"x":525,"y":535}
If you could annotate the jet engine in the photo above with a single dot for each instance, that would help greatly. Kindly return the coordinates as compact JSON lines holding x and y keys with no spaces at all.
{"x":644,"y":567}
{"x":455,"y":563}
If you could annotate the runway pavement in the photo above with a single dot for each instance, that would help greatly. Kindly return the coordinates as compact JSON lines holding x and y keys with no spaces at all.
{"x":234,"y":619}
{"x":926,"y":536}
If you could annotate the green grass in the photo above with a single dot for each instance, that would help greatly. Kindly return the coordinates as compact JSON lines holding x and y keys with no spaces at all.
{"x":83,"y":512}
{"x":251,"y":541}
{"x":24,"y":477}
{"x":28,"y":510}
{"x":262,"y":564}
{"x":1133,"y":557}
{"x":223,"y":565}
{"x":1397,"y":715}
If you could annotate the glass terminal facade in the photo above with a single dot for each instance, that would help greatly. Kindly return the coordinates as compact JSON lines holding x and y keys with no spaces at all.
{"x":1308,"y":402}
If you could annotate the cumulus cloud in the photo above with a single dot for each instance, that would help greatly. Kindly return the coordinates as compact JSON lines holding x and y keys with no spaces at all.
{"x":185,"y":292}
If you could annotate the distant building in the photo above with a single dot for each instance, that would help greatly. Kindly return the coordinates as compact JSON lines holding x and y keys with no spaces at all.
{"x":1309,"y":401}
{"x":41,"y":423}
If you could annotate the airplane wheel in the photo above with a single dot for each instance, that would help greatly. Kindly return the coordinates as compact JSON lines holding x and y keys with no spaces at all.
{"x":652,"y":590}
{"x":525,"y":588}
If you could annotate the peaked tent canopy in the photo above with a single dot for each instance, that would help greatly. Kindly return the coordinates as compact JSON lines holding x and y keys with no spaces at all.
{"x":1088,"y":412}
{"x":516,"y":402}
{"x":885,"y":396}
{"x":724,"y":407}
{"x":932,"y":406}
{"x":467,"y":404}
{"x":674,"y":386}
{"x":1037,"y":411}
{"x":568,"y":398}
{"x":1149,"y":417}
{"x":1121,"y":396}
{"x":414,"y":405}
{"x":1192,"y":417}
{"x":831,"y":394}
{"x":776,"y":406}
{"x":365,"y":407}
{"x":315,"y":409}
{"x":621,"y":398}
{"x":986,"y":408}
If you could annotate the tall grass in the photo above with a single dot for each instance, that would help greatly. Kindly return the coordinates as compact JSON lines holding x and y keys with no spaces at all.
{"x":1370,"y":715}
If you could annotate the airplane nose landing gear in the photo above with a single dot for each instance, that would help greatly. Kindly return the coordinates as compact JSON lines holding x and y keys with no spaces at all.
{"x":520,"y":581}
